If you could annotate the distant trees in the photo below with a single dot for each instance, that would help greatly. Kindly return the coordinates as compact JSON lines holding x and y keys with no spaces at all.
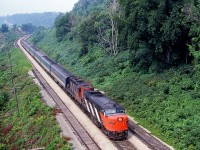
{"x":82,"y":6}
{"x":38,"y":35}
{"x":14,"y":26}
{"x":29,"y":28}
{"x":63,"y":24}
{"x":4,"y":28}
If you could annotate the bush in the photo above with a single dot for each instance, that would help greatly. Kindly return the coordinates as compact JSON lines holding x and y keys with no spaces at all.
{"x":4,"y":97}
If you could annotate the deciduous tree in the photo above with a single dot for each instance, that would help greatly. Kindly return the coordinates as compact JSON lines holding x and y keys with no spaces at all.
{"x":4,"y":28}
{"x":63,"y":24}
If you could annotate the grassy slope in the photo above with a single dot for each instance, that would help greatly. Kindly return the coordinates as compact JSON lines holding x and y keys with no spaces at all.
{"x":166,"y":103}
{"x":36,"y":126}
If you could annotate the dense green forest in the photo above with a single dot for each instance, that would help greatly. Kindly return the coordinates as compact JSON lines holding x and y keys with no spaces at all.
{"x":28,"y":124}
{"x":37,"y":19}
{"x":143,"y":53}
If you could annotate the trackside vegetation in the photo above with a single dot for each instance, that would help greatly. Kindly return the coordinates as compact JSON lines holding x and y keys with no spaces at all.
{"x":35,"y":126}
{"x":143,"y":54}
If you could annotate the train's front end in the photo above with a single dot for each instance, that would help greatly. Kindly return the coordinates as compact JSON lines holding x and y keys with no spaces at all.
{"x":115,"y":123}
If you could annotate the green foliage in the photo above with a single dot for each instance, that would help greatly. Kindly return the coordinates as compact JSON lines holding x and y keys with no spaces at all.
{"x":31,"y":128}
{"x":84,"y":7}
{"x":4,"y":97}
{"x":4,"y":28}
{"x":63,"y":24}
{"x":159,"y":25}
{"x":29,"y":28}
{"x":38,"y":35}
{"x":87,"y":34}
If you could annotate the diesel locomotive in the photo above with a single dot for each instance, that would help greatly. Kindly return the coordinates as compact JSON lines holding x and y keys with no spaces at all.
{"x":103,"y":111}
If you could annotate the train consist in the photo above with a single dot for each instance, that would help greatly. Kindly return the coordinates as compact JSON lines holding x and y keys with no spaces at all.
{"x":104,"y":112}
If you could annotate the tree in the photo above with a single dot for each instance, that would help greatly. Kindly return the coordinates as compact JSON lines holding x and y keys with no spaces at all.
{"x":87,"y":34}
{"x":63,"y":24}
{"x":107,"y":28}
{"x":14,"y":26}
{"x":3,"y":99}
{"x":159,"y":26}
{"x":29,"y":28}
{"x":193,"y":13}
{"x":38,"y":35}
{"x":4,"y":28}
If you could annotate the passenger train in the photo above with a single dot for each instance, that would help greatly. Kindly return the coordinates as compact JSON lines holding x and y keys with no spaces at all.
{"x":103,"y":111}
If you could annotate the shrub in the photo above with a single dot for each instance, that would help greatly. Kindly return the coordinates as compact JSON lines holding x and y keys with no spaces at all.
{"x":4,"y":97}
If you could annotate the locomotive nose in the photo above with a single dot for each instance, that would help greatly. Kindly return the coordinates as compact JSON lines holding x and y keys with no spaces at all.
{"x":117,"y":126}
{"x":118,"y":123}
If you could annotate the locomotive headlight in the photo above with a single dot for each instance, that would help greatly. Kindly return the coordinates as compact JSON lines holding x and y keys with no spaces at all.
{"x":120,"y":119}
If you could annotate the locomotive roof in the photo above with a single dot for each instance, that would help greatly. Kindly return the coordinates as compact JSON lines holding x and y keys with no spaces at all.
{"x":78,"y":81}
{"x":102,"y":101}
{"x":61,"y":70}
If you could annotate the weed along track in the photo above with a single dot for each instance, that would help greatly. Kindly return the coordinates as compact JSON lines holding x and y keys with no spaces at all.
{"x":146,"y":137}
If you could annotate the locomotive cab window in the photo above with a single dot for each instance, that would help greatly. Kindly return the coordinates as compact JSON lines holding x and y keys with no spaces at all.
{"x":120,"y":110}
{"x":114,"y":111}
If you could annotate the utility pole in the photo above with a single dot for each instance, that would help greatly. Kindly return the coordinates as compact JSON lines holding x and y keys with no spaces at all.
{"x":12,"y":80}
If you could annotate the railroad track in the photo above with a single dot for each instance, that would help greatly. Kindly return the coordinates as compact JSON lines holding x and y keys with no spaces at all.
{"x":81,"y":134}
{"x":124,"y":145}
{"x":146,"y":137}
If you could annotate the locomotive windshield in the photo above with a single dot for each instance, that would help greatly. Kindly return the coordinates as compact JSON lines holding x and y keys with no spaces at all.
{"x":114,"y":111}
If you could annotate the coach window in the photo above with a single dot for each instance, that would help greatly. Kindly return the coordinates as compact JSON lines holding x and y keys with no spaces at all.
{"x":110,"y":112}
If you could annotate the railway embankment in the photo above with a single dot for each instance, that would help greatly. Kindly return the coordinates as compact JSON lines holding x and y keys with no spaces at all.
{"x":66,"y":130}
{"x":30,"y":128}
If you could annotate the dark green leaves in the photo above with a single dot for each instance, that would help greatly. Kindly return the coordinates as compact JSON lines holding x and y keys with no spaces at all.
{"x":161,"y":25}
{"x":4,"y":28}
{"x":63,"y":24}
